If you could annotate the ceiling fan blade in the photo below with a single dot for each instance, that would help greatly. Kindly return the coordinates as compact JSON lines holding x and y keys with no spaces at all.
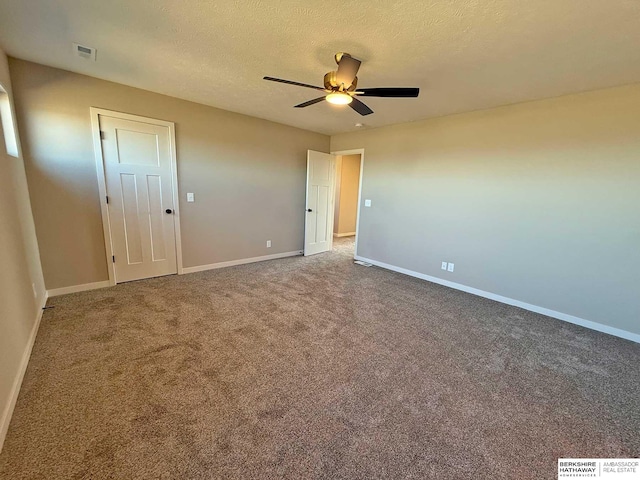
{"x":360,"y":107}
{"x":310,"y":102}
{"x":389,"y":92}
{"x":347,"y":70}
{"x":289,"y":82}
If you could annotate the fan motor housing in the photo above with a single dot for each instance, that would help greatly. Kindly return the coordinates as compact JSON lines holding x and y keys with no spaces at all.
{"x":331,"y":83}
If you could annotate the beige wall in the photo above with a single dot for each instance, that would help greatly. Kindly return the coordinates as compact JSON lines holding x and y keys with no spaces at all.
{"x":248,"y":175}
{"x":336,"y":205}
{"x":347,"y":183}
{"x":19,"y":269}
{"x":538,"y":202}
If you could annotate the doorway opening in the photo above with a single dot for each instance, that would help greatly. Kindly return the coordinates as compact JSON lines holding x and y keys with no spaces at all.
{"x":345,"y":215}
{"x":333,"y":201}
{"x":348,"y":187}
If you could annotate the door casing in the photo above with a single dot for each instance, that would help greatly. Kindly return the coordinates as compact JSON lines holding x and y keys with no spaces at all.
{"x":102,"y":188}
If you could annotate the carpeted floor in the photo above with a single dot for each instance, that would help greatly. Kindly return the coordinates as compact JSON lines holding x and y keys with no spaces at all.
{"x":314,"y":368}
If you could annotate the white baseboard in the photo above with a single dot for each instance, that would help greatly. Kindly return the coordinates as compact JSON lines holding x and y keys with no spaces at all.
{"x":199,"y":268}
{"x":634,"y":337}
{"x":348,"y":234}
{"x":77,"y":288}
{"x":242,"y":261}
{"x":5,"y":420}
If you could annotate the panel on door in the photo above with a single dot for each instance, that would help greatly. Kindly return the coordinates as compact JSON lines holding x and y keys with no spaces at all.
{"x":318,"y":236}
{"x":138,"y":172}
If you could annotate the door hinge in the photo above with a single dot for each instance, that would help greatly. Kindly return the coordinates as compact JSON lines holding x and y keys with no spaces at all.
{"x":107,"y":197}
{"x":102,"y":137}
{"x":113,"y":258}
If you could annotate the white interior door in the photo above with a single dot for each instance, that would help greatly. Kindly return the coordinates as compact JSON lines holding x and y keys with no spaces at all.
{"x":318,"y":231}
{"x":138,"y":175}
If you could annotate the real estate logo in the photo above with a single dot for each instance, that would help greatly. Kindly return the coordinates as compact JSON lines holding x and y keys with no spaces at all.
{"x":602,"y":468}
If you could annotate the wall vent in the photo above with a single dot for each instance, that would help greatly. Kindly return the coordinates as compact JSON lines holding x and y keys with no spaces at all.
{"x":85,"y":52}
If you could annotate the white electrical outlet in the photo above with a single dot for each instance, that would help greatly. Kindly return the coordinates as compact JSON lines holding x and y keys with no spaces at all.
{"x":367,"y":203}
{"x":444,"y":265}
{"x":450,"y":267}
{"x":190,"y":197}
{"x":268,"y":243}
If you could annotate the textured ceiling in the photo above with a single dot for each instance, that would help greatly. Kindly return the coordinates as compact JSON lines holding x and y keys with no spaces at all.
{"x":463,"y":54}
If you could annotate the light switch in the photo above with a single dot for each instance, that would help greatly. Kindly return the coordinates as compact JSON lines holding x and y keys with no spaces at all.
{"x":367,"y":203}
{"x":190,"y":197}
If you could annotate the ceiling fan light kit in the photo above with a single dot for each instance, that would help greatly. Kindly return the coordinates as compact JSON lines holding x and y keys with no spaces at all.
{"x":339,"y":98}
{"x":340,"y":87}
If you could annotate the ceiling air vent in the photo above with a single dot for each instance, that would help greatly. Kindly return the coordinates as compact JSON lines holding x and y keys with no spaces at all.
{"x":85,"y":52}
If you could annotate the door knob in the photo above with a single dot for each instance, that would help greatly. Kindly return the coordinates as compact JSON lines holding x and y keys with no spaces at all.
{"x":309,"y":210}
{"x":168,"y":210}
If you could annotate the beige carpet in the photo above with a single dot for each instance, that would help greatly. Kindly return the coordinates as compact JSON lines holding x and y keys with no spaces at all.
{"x":314,"y":368}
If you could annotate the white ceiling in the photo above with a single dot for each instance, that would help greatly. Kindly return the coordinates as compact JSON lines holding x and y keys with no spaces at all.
{"x":463,"y":54}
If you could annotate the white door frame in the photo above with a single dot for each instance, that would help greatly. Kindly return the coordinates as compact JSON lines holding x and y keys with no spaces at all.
{"x":102,"y":184}
{"x":356,"y":151}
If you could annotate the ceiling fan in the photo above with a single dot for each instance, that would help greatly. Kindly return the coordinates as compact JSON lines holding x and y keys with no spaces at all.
{"x":340,"y":87}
